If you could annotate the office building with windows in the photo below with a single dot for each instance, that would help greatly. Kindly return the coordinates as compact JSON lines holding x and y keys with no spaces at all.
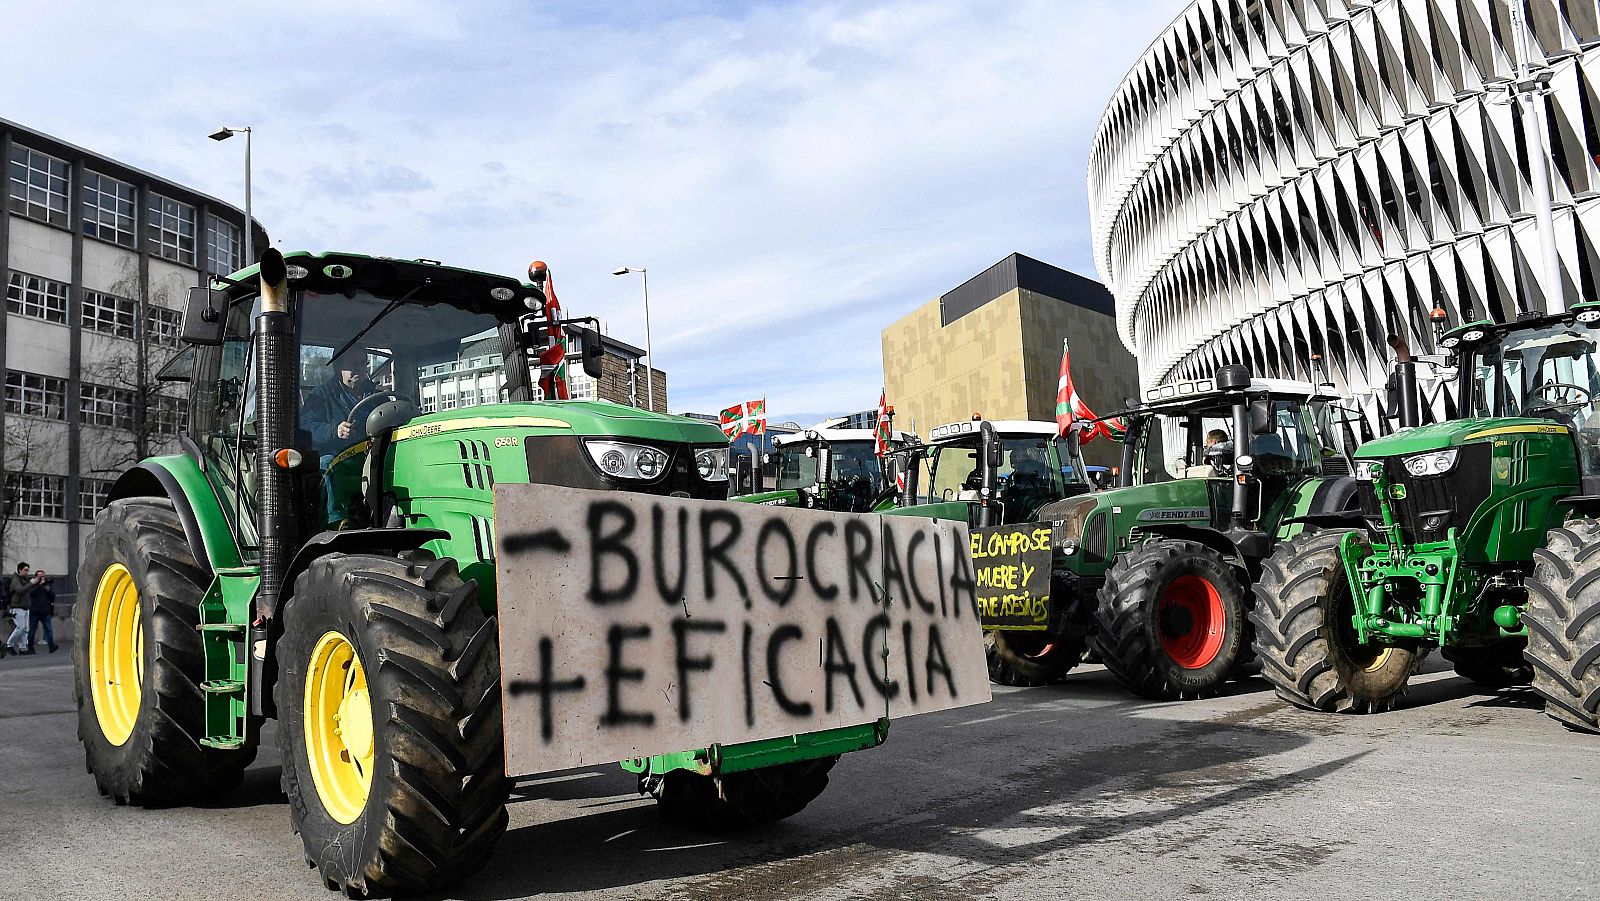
{"x":477,"y":375}
{"x":97,"y":258}
{"x":1276,"y":180}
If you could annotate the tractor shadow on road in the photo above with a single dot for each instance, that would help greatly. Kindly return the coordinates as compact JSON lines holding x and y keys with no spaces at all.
{"x":1032,"y":773}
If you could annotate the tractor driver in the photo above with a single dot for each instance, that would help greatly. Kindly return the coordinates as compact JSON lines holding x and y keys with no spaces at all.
{"x":324,"y":410}
{"x":1218,"y":452}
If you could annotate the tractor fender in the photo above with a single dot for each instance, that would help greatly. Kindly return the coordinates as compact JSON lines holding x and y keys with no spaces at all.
{"x":1211,"y":538}
{"x":180,"y":480}
{"x":353,"y":541}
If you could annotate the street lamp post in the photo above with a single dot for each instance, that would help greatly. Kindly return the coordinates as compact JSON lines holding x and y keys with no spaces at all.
{"x":222,"y":134}
{"x":1529,"y":91}
{"x":649,"y":355}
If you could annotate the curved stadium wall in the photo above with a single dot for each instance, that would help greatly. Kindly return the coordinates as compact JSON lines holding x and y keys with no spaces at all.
{"x":1280,"y":178}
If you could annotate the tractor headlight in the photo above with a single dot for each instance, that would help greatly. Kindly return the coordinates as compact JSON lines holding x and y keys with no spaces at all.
{"x":1367,"y":470}
{"x":621,"y":460}
{"x":1434,"y":463}
{"x":712,"y":463}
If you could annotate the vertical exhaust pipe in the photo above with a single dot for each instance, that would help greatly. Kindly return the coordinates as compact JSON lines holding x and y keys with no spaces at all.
{"x":1403,"y":397}
{"x":277,"y":368}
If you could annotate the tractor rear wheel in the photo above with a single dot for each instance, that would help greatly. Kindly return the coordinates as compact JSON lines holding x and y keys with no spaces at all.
{"x":1306,"y":640}
{"x":1029,"y":659}
{"x":1563,"y":620}
{"x":1170,"y":622}
{"x":390,"y":725}
{"x":139,"y":661}
{"x":735,"y":801}
{"x":1499,"y":665}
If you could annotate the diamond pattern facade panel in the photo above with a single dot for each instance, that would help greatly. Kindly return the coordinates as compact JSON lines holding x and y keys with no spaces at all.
{"x":1276,"y":179}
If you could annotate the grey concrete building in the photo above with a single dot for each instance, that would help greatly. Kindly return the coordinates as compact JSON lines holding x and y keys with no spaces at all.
{"x":97,"y":258}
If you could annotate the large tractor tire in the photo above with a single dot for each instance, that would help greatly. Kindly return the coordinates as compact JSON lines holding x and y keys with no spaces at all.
{"x":139,"y":662}
{"x":390,"y":724}
{"x":1170,"y":624}
{"x":1306,"y":641}
{"x":735,"y":801}
{"x":1029,"y":659}
{"x":1499,"y":665}
{"x":1563,"y":620}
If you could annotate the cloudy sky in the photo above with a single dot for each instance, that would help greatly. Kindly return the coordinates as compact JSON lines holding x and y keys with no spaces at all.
{"x":796,"y":176}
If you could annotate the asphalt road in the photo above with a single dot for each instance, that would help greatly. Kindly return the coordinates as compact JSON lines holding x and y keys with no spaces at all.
{"x":1074,"y":791}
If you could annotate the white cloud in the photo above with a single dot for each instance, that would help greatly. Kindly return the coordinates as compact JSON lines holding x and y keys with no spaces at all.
{"x":796,"y":176}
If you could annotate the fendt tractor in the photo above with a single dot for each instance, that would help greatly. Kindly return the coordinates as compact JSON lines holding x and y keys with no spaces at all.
{"x":322,"y":552}
{"x":1152,"y":575}
{"x":827,"y":468}
{"x":1478,"y":536}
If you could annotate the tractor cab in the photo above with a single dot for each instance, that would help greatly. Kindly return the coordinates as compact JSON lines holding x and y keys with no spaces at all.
{"x":827,"y":468}
{"x":1249,"y":443}
{"x":992,"y":472}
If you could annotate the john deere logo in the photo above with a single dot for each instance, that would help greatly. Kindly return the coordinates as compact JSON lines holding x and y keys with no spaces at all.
{"x":1502,"y":468}
{"x":1398,"y":492}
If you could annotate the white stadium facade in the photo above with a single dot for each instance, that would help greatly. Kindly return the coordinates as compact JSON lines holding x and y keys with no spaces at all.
{"x":1277,"y":179}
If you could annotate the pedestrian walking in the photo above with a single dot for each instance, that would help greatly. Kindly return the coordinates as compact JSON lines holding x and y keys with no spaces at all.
{"x":16,"y":601}
{"x":41,"y":611}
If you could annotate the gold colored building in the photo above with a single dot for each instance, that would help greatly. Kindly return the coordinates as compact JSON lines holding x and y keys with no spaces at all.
{"x":993,"y":346}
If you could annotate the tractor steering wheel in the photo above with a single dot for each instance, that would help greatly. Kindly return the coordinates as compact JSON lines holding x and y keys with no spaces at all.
{"x":1566,"y":396}
{"x":357,"y":416}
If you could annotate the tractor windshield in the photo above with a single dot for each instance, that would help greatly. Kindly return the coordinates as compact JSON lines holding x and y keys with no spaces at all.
{"x":1549,"y":371}
{"x":1034,"y":469}
{"x":795,"y":466}
{"x":437,"y":356}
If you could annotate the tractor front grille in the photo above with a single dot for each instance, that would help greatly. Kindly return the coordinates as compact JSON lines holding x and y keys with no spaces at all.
{"x":1434,"y":504}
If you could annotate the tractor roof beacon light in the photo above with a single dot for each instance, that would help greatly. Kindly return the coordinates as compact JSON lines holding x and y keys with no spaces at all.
{"x":1233,"y":378}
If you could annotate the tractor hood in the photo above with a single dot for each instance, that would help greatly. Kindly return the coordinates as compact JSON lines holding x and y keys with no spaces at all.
{"x":577,"y":418}
{"x":1450,"y":434}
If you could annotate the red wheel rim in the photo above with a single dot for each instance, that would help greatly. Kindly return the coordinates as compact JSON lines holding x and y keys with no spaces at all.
{"x":1190,"y":621}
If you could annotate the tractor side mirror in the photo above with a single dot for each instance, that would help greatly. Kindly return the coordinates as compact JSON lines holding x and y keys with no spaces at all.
{"x":389,"y":416}
{"x":204,"y":319}
{"x":1261,"y":417}
{"x":594,"y":352}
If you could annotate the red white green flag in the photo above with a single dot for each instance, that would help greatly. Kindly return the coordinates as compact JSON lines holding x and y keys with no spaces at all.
{"x":1073,"y":413}
{"x":748,"y":418}
{"x":553,"y":380}
{"x":880,"y":434}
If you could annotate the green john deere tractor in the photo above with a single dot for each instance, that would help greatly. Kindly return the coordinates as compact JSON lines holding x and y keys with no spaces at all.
{"x":987,"y":472}
{"x":322,"y":552}
{"x":1152,"y":575}
{"x":1476,"y":536}
{"x":827,"y":468}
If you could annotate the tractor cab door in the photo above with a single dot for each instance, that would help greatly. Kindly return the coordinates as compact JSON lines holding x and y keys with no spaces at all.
{"x":1284,"y":456}
{"x":222,"y":417}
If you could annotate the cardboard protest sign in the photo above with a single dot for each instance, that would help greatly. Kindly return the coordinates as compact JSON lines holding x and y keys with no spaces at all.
{"x":634,"y":624}
{"x":1013,"y":576}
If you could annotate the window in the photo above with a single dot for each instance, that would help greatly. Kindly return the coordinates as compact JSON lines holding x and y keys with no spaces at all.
{"x":38,"y":297}
{"x":29,"y":394}
{"x":93,"y":496}
{"x":171,"y":229}
{"x":224,"y":246}
{"x":170,"y":416}
{"x":163,"y":326}
{"x":108,"y":313}
{"x":39,"y":184}
{"x":107,"y":407}
{"x":37,"y":496}
{"x":108,"y":208}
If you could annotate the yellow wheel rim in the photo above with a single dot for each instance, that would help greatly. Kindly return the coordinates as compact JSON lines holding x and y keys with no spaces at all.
{"x":340,"y":743}
{"x":1378,"y":661}
{"x":116,"y":654}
